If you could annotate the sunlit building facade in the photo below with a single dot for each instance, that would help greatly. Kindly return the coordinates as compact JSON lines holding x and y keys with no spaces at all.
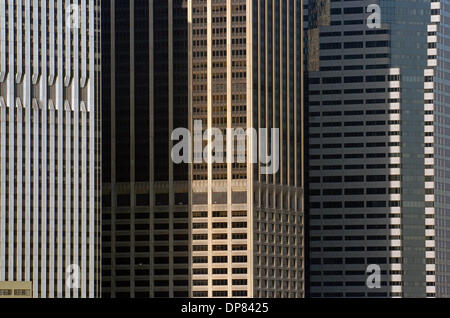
{"x":245,"y":71}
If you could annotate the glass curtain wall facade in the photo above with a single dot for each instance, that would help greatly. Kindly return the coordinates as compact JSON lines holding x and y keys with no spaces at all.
{"x":145,"y":196}
{"x":377,"y":136}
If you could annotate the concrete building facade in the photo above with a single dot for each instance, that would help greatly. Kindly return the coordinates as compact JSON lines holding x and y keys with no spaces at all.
{"x":49,"y":146}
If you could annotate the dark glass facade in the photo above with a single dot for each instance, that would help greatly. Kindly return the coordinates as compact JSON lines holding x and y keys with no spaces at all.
{"x":377,"y":148}
{"x":145,"y":213}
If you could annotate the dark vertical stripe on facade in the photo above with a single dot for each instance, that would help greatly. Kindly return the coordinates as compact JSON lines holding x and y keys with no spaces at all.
{"x":106,"y":92}
{"x":122,"y":91}
{"x":142,"y":84}
{"x":262,"y":78}
{"x":180,"y":81}
{"x":161,"y":89}
{"x":292,"y":103}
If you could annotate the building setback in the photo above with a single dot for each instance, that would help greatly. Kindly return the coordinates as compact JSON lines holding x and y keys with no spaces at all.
{"x":49,"y":146}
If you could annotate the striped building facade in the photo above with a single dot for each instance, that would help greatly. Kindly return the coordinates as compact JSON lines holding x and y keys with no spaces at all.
{"x":436,"y":153}
{"x":245,"y":71}
{"x":49,"y":145}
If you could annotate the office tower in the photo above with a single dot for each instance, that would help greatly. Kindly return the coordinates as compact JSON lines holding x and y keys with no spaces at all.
{"x":49,"y":146}
{"x":377,"y":133}
{"x":145,"y":196}
{"x":245,"y":71}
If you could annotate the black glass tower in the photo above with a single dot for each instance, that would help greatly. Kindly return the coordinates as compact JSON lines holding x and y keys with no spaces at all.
{"x":145,"y":213}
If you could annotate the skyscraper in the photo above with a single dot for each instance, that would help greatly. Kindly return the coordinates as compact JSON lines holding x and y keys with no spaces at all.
{"x":376,"y":118}
{"x":49,"y":146}
{"x":217,"y":230}
{"x":245,"y":71}
{"x":145,"y":195}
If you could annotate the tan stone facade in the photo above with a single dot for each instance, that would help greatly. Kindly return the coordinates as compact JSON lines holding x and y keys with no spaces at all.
{"x":16,"y":289}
